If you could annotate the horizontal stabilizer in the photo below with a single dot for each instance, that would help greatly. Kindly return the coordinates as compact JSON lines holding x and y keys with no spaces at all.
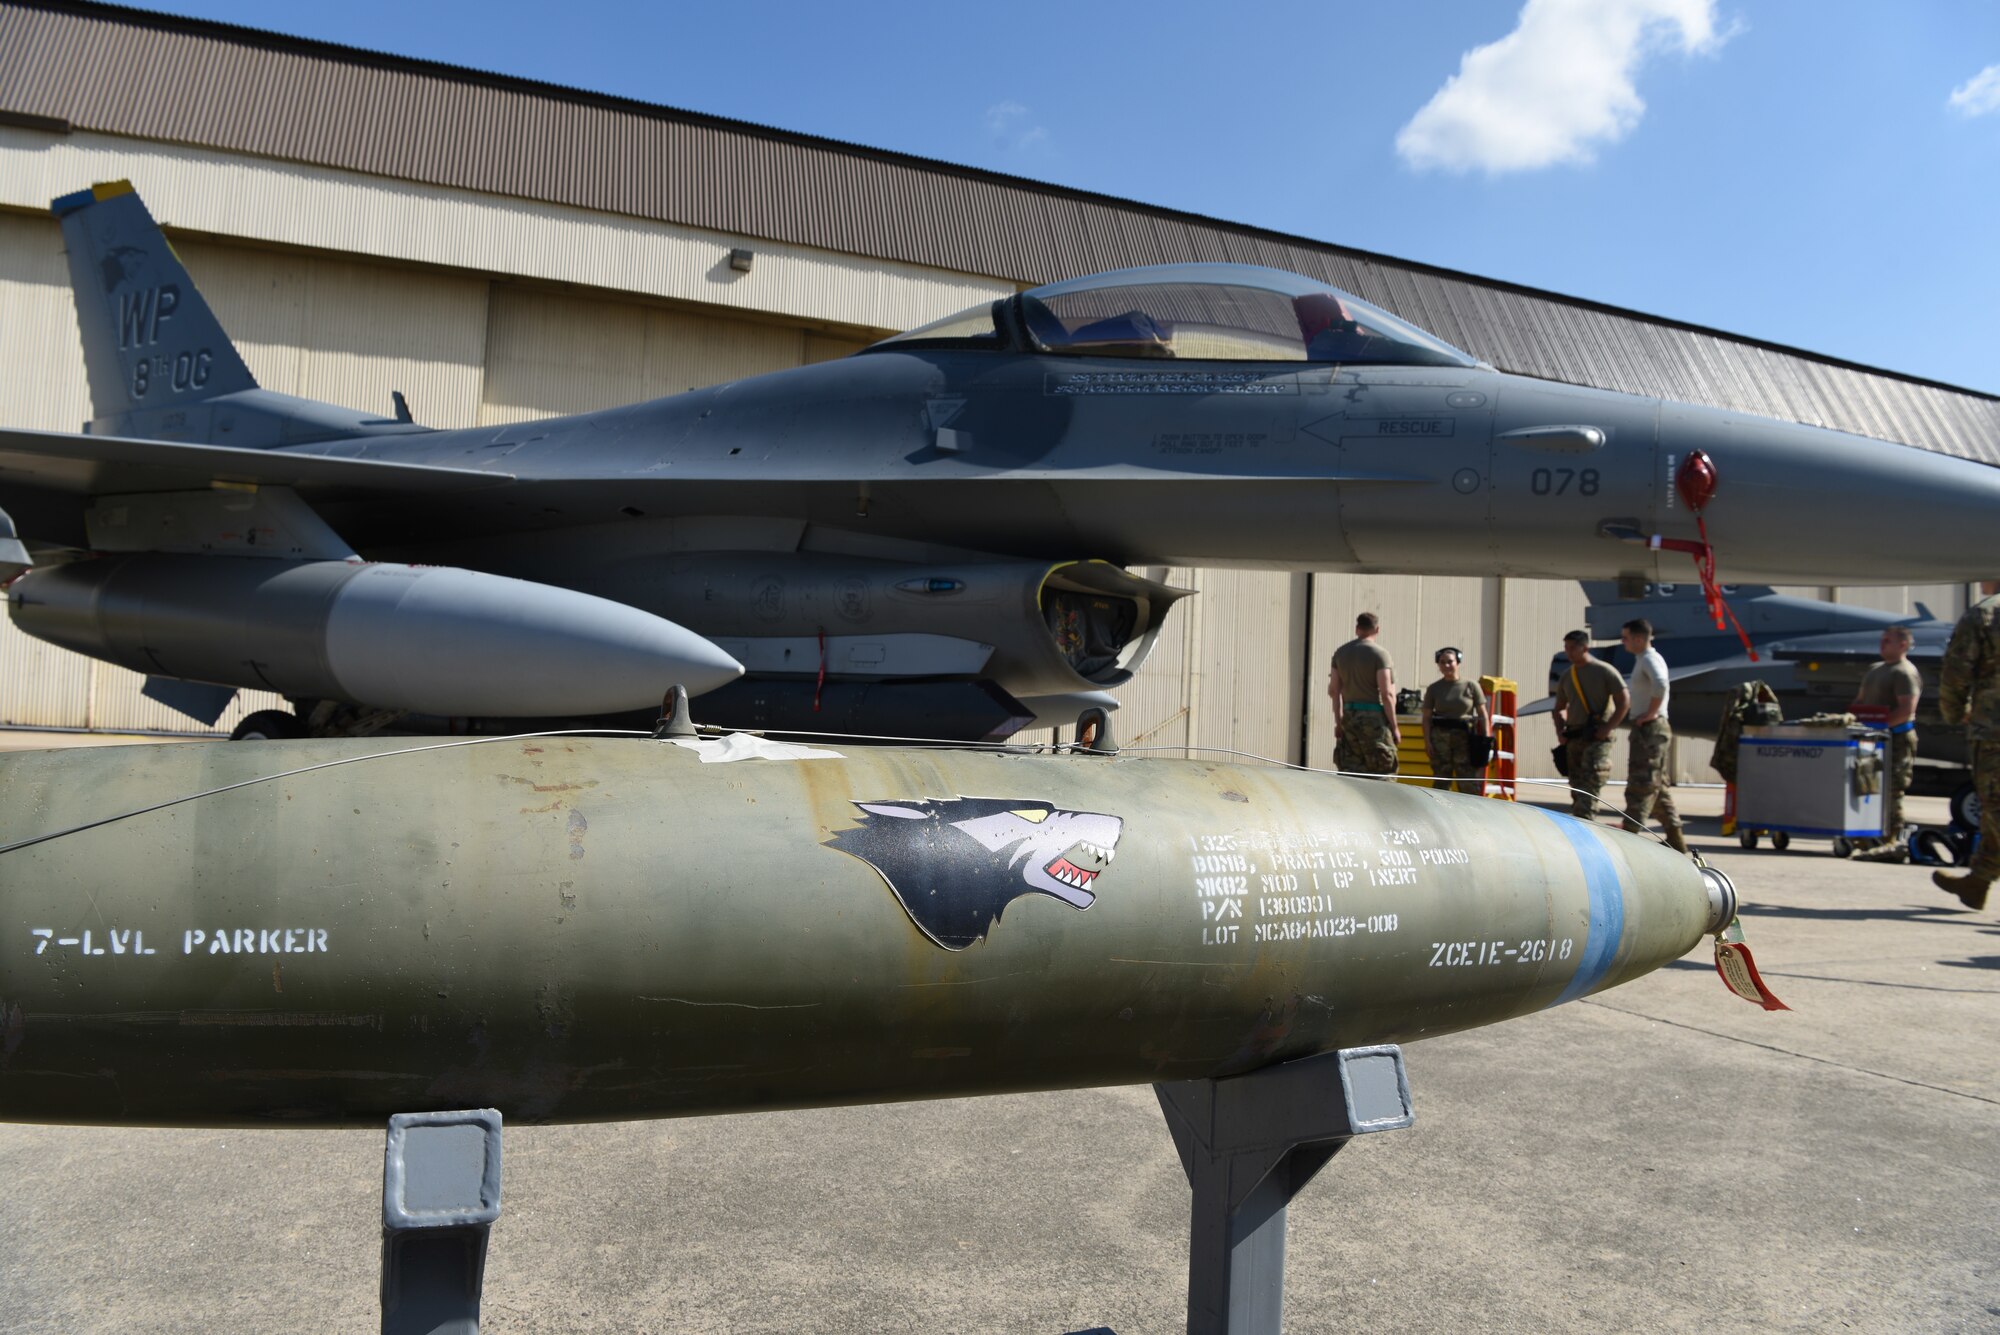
{"x":1695,"y":672}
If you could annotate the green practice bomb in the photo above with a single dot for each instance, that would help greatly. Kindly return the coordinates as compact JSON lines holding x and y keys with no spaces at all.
{"x":576,"y":929}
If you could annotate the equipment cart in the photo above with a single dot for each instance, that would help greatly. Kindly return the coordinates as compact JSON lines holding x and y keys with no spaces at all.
{"x":1823,"y":781}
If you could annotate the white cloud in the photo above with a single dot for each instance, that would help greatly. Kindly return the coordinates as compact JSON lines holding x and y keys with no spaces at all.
{"x":1979,"y":95}
{"x":1555,"y":88}
{"x":1010,"y":126}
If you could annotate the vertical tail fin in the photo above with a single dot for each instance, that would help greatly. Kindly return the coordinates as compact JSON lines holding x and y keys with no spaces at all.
{"x":159,"y":364}
{"x":150,"y":343}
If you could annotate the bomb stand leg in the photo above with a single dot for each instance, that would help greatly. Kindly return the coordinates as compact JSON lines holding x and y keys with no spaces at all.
{"x":1249,"y":1144}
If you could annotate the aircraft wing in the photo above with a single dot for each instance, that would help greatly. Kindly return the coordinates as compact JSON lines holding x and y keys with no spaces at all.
{"x":1927,"y":645}
{"x":1694,"y":672}
{"x":78,"y":465}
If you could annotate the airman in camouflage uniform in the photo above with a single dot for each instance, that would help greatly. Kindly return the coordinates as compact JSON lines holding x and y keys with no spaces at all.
{"x":1650,"y":745}
{"x":1586,"y":719}
{"x":1362,"y":687}
{"x":1454,"y":713}
{"x":1889,"y":695}
{"x":1969,"y":692}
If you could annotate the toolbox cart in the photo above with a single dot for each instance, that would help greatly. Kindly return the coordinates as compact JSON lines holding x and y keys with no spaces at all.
{"x":1819,"y":781}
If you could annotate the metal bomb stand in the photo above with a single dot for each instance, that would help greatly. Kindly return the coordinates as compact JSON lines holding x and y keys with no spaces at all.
{"x":440,"y":1198}
{"x":1248,"y":1144}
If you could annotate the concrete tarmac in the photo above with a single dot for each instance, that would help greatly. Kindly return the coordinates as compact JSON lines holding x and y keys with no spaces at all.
{"x":1661,"y":1157}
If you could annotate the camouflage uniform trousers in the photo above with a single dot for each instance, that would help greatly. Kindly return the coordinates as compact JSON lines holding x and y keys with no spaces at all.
{"x":1986,"y":782}
{"x":1364,"y":745}
{"x":1646,"y":776}
{"x":1969,"y":689}
{"x":1589,"y":767}
{"x":1900,"y":764}
{"x":1451,"y":758}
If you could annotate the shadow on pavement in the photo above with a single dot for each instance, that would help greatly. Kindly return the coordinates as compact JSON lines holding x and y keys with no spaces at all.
{"x":1944,"y":911}
{"x":1977,"y":962}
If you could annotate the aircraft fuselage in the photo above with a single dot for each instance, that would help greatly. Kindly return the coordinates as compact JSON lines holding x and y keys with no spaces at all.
{"x":1424,"y":470}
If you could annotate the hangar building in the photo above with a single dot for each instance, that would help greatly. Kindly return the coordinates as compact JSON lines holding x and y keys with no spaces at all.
{"x":500,"y":250}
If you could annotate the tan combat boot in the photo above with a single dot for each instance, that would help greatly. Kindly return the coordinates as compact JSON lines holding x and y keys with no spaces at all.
{"x":1971,"y":890}
{"x":1676,"y":840}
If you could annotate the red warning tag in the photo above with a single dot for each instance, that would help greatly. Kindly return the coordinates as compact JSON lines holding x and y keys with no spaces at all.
{"x":1739,"y":971}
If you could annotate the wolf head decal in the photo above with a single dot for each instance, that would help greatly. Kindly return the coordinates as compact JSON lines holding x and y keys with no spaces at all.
{"x":955,"y":863}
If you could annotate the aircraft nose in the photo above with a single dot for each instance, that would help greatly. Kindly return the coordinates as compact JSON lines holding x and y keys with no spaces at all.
{"x":1801,"y":504}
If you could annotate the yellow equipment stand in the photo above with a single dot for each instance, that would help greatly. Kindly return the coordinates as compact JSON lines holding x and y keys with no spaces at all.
{"x":1502,"y":698}
{"x":1413,"y":766}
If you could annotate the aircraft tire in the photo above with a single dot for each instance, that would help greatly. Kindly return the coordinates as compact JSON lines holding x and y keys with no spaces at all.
{"x":268,"y":725}
{"x":1965,"y":807}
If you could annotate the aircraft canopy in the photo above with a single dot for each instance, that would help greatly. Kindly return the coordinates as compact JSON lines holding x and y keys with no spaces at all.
{"x":1192,"y":312}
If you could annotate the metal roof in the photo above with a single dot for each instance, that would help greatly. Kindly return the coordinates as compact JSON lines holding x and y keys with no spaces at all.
{"x":152,"y":76}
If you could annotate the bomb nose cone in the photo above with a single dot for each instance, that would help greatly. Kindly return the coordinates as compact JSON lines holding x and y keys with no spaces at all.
{"x":1803,"y":504}
{"x":1721,"y":898}
{"x":1642,"y":906}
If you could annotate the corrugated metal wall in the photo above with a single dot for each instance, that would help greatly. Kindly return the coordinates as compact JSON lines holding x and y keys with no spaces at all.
{"x":550,"y":353}
{"x":349,"y":333}
{"x":327,"y":210}
{"x":44,"y":388}
{"x":1227,"y":674}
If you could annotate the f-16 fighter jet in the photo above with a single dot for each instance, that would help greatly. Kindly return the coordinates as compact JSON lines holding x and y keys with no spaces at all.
{"x":930,"y":537}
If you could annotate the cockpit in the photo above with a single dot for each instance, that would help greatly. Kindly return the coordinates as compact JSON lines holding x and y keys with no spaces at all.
{"x":1189,"y":312}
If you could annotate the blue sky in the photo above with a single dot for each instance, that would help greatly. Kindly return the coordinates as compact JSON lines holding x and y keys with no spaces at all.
{"x":1819,"y":173}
